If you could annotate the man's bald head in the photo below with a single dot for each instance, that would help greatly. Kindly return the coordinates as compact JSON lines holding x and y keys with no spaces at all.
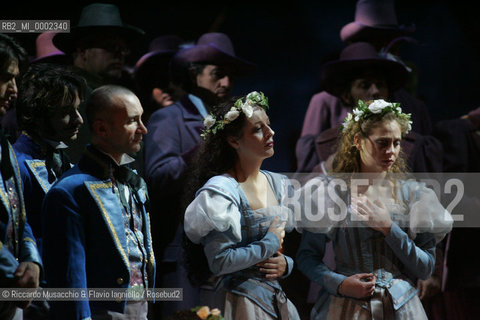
{"x":103,"y":101}
{"x":114,"y":115}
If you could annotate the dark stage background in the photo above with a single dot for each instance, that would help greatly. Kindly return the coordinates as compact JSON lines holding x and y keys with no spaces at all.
{"x":290,"y":42}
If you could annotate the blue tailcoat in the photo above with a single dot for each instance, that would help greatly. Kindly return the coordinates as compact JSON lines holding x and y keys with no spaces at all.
{"x":34,"y":174}
{"x":84,"y":237}
{"x":26,"y":246}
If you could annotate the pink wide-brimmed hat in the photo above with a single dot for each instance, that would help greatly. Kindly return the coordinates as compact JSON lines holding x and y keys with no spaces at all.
{"x":374,"y":19}
{"x":215,"y":48}
{"x":46,"y":52}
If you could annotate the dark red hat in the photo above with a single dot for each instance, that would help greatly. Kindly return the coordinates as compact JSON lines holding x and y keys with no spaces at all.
{"x":356,"y":58}
{"x":97,"y":18}
{"x":163,"y":46}
{"x":215,"y":48}
{"x":153,"y":66}
{"x":374,"y":19}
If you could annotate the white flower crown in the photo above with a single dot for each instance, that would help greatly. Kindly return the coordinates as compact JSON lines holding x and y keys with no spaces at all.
{"x":253,"y":99}
{"x":379,"y":106}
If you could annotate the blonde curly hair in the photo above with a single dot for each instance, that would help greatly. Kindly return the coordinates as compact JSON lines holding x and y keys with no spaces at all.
{"x":347,"y":157}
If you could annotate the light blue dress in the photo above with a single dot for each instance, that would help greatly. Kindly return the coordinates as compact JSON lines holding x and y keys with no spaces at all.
{"x":397,"y":260}
{"x":235,"y":239}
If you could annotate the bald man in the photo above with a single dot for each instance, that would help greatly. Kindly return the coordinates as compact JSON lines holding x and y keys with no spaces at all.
{"x":97,"y":228}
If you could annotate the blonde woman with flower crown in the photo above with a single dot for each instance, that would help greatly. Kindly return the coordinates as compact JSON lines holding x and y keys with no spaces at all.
{"x":238,"y":216}
{"x":383,"y":227}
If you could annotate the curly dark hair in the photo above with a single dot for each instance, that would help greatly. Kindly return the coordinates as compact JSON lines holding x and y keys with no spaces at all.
{"x":11,"y":50}
{"x":215,"y":156}
{"x":45,"y":88}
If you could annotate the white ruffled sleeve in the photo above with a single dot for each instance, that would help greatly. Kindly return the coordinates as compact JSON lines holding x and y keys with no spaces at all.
{"x":427,"y":214}
{"x":287,"y":211}
{"x":320,"y":208}
{"x":209,"y":211}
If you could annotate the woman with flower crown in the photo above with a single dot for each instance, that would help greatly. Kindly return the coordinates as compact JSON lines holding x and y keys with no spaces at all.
{"x":238,"y":215}
{"x":383,"y":226}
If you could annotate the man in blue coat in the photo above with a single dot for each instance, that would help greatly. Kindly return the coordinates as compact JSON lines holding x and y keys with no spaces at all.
{"x":47,"y":109}
{"x":48,"y":117}
{"x":205,"y":73}
{"x":95,"y":219}
{"x":20,"y":262}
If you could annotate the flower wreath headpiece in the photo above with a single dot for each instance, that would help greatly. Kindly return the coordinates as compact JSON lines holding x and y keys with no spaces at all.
{"x":253,"y":99}
{"x":380,"y":106}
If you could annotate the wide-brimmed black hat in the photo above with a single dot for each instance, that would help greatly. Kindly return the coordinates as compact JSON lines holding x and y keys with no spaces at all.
{"x":215,"y":48}
{"x":358,"y":58}
{"x":97,"y":18}
{"x":374,"y":19}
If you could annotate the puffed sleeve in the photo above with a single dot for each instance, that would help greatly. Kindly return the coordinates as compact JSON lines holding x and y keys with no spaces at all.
{"x":426,"y":213}
{"x":320,"y":208}
{"x":213,"y":219}
{"x":286,"y":208}
{"x":209,"y":211}
{"x":428,"y":223}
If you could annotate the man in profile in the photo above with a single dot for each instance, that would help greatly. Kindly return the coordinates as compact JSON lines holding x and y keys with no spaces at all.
{"x":99,"y":46}
{"x":20,"y":263}
{"x":95,"y":218}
